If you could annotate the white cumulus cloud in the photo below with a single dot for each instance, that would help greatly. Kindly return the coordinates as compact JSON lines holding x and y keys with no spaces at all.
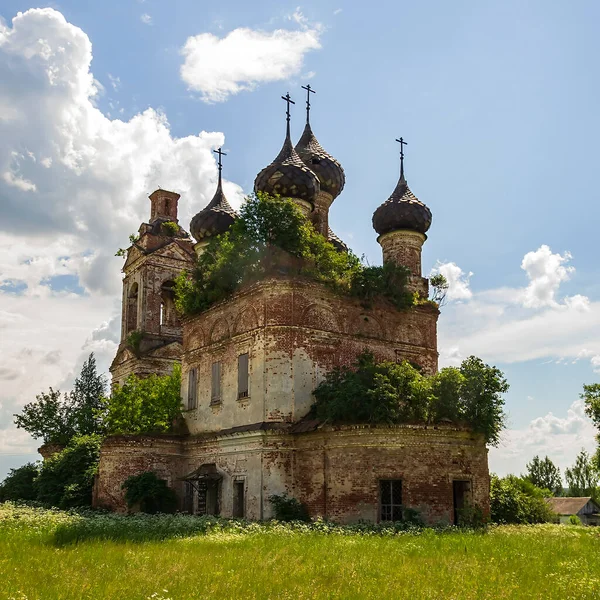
{"x":458,"y":280}
{"x":218,"y":67}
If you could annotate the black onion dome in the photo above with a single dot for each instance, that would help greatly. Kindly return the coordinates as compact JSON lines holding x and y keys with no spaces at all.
{"x":326,"y":168}
{"x":402,"y":210}
{"x":216,"y":218}
{"x":336,"y":241}
{"x":288,"y":176}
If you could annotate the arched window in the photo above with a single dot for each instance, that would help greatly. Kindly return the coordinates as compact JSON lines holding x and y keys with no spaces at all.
{"x":132,"y":308}
{"x":168,"y":314}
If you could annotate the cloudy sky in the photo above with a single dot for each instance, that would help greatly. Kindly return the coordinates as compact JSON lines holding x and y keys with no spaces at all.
{"x":102,"y":102}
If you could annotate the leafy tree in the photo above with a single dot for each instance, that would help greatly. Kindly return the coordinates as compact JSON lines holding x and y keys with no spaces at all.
{"x":87,"y":398}
{"x":18,"y":484}
{"x":582,"y":478}
{"x":148,"y":405}
{"x":49,"y":418}
{"x":389,"y":392}
{"x":439,"y":284}
{"x":516,"y":500}
{"x":150,"y":493}
{"x":66,"y":479}
{"x":544,"y":474}
{"x":57,"y":419}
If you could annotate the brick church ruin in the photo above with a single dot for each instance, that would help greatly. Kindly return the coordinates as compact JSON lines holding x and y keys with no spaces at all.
{"x":251,"y":363}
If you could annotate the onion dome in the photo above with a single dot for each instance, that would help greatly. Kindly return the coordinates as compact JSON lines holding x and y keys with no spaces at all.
{"x":324,"y":166}
{"x":402,"y":210}
{"x":336,"y":241}
{"x":217,"y":217}
{"x":287,"y":175}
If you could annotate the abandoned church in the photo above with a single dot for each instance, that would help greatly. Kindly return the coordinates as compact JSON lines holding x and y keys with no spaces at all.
{"x":251,"y":362}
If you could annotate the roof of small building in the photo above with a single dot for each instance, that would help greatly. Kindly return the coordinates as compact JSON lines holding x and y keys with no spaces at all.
{"x":570,"y":505}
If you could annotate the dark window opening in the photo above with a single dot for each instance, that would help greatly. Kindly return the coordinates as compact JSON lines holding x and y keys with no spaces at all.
{"x":390,"y":500}
{"x":238,"y":500}
{"x":215,"y":383}
{"x":167,"y":206}
{"x":192,"y":385}
{"x":461,"y":492}
{"x":243,"y":391}
{"x":132,"y":308}
{"x":168,"y":313}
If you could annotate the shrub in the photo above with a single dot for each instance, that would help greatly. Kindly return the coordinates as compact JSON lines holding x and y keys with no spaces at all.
{"x":150,"y":493}
{"x":18,"y":484}
{"x":270,"y":232}
{"x":516,"y":500}
{"x":66,"y":479}
{"x":574,"y":520}
{"x":148,"y":405}
{"x":288,"y":509}
{"x":170,"y":228}
{"x":388,"y":392}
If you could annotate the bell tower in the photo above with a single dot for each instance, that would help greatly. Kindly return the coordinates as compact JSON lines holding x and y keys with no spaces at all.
{"x":151,"y":331}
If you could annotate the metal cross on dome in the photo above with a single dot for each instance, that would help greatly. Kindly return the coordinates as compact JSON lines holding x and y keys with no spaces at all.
{"x":402,"y":144}
{"x":309,"y":91}
{"x":289,"y":101}
{"x":220,"y":153}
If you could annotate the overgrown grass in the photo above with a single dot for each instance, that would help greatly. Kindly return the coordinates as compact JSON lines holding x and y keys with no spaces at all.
{"x":208,"y":557}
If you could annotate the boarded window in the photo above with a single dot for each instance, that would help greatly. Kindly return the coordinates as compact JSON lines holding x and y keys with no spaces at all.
{"x":188,"y":498}
{"x":215,"y":383}
{"x":243,"y":390}
{"x":192,"y":385}
{"x":238,"y":500}
{"x":390,"y":500}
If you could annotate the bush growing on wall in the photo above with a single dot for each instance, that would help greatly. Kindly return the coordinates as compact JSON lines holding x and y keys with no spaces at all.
{"x":267,"y":226}
{"x":387,"y":392}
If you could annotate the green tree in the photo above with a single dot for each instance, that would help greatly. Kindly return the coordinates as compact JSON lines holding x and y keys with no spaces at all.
{"x":49,"y":418}
{"x":149,"y":405}
{"x":66,"y":479}
{"x":87,"y":398}
{"x":18,"y":484}
{"x":516,"y":500}
{"x":57,"y":419}
{"x":582,"y":478}
{"x":544,"y":474}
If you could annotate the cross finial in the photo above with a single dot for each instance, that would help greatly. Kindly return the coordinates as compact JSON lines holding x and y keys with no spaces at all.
{"x":402,"y":144}
{"x":220,"y":153}
{"x":309,"y":91}
{"x":287,"y":110}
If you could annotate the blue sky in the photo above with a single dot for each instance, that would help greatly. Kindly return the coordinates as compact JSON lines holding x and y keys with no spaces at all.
{"x":497,"y":100}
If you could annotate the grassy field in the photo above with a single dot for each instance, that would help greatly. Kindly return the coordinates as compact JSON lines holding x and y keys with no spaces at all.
{"x":50,"y":555}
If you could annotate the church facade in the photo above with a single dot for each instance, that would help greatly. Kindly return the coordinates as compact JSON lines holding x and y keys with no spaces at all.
{"x":251,"y":363}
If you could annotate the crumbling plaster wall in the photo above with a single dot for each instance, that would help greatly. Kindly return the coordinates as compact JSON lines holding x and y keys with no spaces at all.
{"x":294,"y":331}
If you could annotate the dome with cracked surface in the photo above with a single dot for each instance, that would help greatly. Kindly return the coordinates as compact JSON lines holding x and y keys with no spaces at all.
{"x":402,"y":210}
{"x":326,"y":168}
{"x":288,"y":176}
{"x":215,"y":219}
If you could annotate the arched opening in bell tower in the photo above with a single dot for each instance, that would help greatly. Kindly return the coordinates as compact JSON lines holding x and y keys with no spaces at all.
{"x":132,"y":308}
{"x":168,"y":314}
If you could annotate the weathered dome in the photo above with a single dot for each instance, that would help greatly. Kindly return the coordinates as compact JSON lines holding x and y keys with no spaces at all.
{"x":288,"y":176}
{"x":215,"y":219}
{"x":325,"y":167}
{"x":402,"y":210}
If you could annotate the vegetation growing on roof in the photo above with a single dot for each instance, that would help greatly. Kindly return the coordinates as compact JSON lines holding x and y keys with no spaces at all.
{"x":271,"y":233}
{"x":388,"y":392}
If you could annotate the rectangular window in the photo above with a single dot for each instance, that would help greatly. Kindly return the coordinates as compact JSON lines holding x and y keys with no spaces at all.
{"x":192,"y":385}
{"x":215,"y":383}
{"x":238,"y":500}
{"x":243,"y":391}
{"x":188,"y":498}
{"x":390,"y":500}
